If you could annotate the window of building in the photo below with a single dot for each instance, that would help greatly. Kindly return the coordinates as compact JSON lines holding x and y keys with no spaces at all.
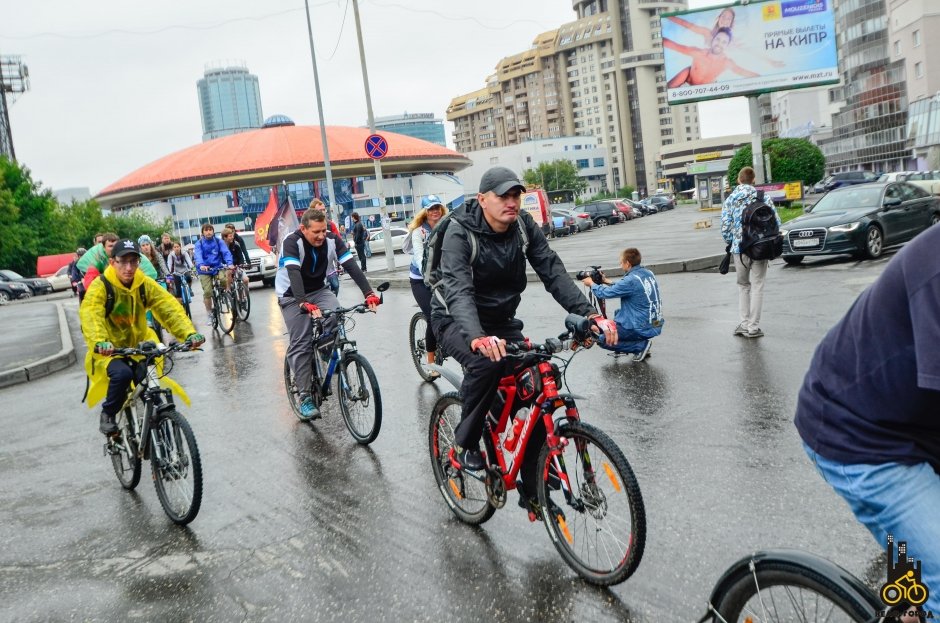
{"x":582,"y":164}
{"x":916,"y":38}
{"x":918,"y":70}
{"x":897,"y":48}
{"x":688,"y":130}
{"x":598,"y":162}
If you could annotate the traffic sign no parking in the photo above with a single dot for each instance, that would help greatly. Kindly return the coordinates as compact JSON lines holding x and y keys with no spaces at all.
{"x":376,"y":147}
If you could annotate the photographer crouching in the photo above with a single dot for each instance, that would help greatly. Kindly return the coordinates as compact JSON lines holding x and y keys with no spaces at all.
{"x":640,"y":317}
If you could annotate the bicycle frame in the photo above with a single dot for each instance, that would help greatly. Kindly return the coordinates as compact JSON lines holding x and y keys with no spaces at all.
{"x":341,"y":344}
{"x":154,"y":397}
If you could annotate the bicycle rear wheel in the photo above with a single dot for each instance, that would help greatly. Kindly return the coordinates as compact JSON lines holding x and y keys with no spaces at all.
{"x":226,"y":311}
{"x":595,"y":517}
{"x":293,"y":394}
{"x":417,"y":329}
{"x":465,"y":495}
{"x":177,"y":469}
{"x":125,"y":457}
{"x":782,"y":591}
{"x":360,"y":400}
{"x":242,"y":300}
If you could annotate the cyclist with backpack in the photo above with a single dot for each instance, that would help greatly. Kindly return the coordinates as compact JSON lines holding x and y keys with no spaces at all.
{"x":212,"y":256}
{"x":432,"y":210}
{"x":751,"y":226}
{"x":114,"y":315}
{"x":475,"y":264}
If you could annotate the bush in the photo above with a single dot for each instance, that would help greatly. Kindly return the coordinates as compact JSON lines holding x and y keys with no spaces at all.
{"x":791,"y":160}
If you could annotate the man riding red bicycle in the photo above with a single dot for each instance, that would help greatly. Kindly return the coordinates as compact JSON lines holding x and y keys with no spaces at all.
{"x":482,"y":276}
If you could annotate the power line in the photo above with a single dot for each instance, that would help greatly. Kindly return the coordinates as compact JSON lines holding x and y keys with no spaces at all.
{"x":340,"y":35}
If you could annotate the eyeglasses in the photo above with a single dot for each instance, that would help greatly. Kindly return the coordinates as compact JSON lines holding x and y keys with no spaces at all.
{"x":130,"y":261}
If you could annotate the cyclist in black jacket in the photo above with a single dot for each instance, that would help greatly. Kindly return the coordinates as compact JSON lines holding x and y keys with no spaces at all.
{"x":473,"y":311}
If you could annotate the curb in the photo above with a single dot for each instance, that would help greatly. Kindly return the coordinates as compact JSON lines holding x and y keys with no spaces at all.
{"x":47,"y":365}
{"x":697,"y":264}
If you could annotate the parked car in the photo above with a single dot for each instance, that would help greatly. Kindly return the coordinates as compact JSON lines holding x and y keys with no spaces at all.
{"x":635,"y":207}
{"x":36,"y":285}
{"x":649,"y":207}
{"x":60,"y":280}
{"x":861,"y":220}
{"x":377,"y":239}
{"x":560,"y":226}
{"x":849,"y":178}
{"x":601,"y":213}
{"x":623,"y":210}
{"x":582,"y":220}
{"x":662,"y":202}
{"x":567,"y":220}
{"x":12,"y":290}
{"x":263,"y":264}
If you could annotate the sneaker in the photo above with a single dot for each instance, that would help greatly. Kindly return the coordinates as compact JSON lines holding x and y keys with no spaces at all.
{"x":470,"y":459}
{"x":106,"y":425}
{"x":755,"y":333}
{"x":643,"y":354}
{"x":740,"y":329}
{"x":308,"y":410}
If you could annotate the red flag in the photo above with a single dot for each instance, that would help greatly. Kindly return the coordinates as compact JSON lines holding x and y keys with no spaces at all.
{"x":283,"y":225}
{"x":263,"y":224}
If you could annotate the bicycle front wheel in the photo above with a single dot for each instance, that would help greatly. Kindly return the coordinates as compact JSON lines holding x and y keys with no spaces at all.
{"x":360,"y":400}
{"x":591,"y":505}
{"x":125,"y":457}
{"x":417,"y":329}
{"x":177,"y":469}
{"x":226,"y":312}
{"x":465,"y":495}
{"x":787,"y":592}
{"x":243,"y":301}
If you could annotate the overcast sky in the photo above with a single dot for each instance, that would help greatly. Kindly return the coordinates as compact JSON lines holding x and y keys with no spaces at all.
{"x":113,"y":83}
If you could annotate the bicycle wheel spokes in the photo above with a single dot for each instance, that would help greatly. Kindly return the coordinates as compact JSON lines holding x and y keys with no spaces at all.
{"x":244,"y":301}
{"x":781,"y":597}
{"x":360,"y":400}
{"x":226,"y":312}
{"x":417,"y":330}
{"x":293,"y":394}
{"x":123,"y":449}
{"x":592,"y":506}
{"x":177,"y":469}
{"x":465,"y":495}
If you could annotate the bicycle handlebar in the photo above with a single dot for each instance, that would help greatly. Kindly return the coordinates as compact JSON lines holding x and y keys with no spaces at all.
{"x":150,"y":349}
{"x":578,"y":334}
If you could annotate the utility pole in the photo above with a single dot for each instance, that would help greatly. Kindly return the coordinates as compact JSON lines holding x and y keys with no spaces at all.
{"x":326,"y":147}
{"x":386,"y":231}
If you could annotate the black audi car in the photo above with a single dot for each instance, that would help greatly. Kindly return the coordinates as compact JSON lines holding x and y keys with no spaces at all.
{"x":860,"y":220}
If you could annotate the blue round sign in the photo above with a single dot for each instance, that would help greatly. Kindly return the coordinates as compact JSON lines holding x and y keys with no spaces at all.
{"x":376,"y":147}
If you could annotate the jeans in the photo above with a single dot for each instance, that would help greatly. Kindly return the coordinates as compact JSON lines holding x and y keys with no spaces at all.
{"x":361,"y":252}
{"x":891,"y":498}
{"x":120,"y":375}
{"x":628,"y":341}
{"x":750,"y":275}
{"x":332,"y":280}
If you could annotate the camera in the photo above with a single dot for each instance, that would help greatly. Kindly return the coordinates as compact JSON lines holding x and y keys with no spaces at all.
{"x":594,"y":272}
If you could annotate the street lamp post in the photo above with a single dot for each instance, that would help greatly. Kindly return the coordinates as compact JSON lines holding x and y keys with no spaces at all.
{"x":386,"y":231}
{"x":326,"y":147}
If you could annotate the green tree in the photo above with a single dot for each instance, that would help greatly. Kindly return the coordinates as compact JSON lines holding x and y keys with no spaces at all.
{"x":555,"y":175}
{"x":791,"y":160}
{"x":625,"y":192}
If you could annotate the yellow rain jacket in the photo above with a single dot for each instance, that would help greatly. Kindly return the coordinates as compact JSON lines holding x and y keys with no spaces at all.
{"x":126,"y":326}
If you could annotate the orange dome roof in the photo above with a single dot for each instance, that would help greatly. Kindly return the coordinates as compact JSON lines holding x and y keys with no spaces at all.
{"x":270,"y":155}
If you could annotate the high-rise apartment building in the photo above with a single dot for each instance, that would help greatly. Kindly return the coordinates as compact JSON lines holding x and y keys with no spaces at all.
{"x":868,"y":132}
{"x":229,"y":101}
{"x":601,"y":75}
{"x":421,"y":125}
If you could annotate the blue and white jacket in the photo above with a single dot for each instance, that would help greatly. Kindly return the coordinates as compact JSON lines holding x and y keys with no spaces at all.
{"x":740,"y":197}
{"x":418,"y":236}
{"x":212,"y":253}
{"x":641,"y":308}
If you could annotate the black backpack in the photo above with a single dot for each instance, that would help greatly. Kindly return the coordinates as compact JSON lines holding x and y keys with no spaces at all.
{"x":760,"y":233}
{"x":109,"y":295}
{"x":433,"y":245}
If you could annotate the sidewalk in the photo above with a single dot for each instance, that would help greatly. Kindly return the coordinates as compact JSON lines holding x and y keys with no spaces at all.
{"x":35,"y":339}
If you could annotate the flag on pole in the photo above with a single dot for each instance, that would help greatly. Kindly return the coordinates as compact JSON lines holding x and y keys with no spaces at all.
{"x":264,"y":222}
{"x":284,"y":225}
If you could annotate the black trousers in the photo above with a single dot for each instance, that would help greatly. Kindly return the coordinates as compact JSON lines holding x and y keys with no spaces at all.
{"x":120,"y":375}
{"x":361,"y":252}
{"x":481,"y":378}
{"x":422,"y":294}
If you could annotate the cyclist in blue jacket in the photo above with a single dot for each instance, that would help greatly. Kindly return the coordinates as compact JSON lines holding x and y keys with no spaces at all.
{"x":640,"y":317}
{"x":212,"y":255}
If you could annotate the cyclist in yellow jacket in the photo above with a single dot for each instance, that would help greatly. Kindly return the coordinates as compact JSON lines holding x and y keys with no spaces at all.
{"x":114,"y":315}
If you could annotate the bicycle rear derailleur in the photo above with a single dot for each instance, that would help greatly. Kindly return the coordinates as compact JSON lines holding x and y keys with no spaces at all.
{"x":495,"y":487}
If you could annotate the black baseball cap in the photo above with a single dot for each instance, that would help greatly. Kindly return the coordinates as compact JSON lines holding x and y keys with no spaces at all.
{"x":500,"y":180}
{"x":123,"y":247}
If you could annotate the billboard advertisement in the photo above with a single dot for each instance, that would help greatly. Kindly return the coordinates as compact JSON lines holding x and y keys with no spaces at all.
{"x":769,"y":45}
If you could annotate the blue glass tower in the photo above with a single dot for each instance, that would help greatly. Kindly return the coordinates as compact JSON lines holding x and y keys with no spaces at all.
{"x":229,"y":101}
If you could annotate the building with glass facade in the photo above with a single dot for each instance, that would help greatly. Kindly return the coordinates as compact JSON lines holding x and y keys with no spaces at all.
{"x":229,"y":101}
{"x":421,"y":125}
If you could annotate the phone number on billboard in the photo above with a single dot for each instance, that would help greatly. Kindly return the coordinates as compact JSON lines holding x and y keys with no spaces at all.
{"x":704,"y":90}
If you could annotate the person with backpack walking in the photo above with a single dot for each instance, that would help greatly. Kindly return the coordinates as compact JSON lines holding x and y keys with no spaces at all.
{"x":432,"y":210}
{"x":745,"y":211}
{"x":475,"y":263}
{"x":212,"y":256}
{"x":360,"y":239}
{"x":114,"y":315}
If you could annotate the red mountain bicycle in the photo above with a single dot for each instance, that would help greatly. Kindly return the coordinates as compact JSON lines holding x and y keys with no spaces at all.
{"x":587,"y":494}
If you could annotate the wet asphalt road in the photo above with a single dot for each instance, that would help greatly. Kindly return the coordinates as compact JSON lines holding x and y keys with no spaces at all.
{"x":298,"y":522}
